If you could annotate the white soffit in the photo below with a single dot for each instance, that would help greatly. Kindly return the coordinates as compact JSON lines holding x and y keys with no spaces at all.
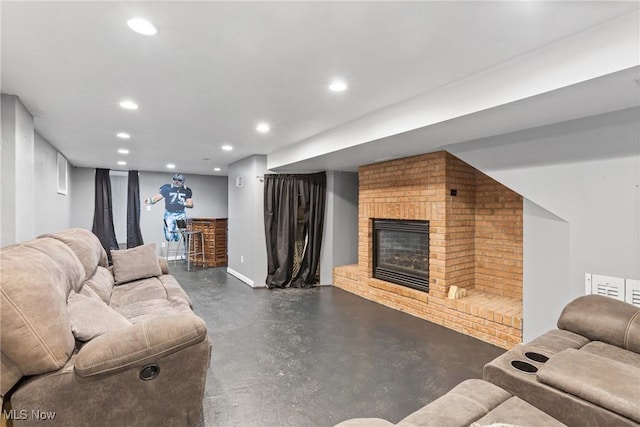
{"x":599,"y":51}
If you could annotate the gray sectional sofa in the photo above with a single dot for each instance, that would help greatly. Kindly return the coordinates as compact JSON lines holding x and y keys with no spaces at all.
{"x":85,"y":343}
{"x":585,"y":373}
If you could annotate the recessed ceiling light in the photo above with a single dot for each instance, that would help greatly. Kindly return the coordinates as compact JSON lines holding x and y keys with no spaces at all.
{"x":217,"y":169}
{"x":123,"y":135}
{"x":171,"y":166}
{"x":123,"y":151}
{"x":142,"y":26}
{"x":122,"y":162}
{"x":338,"y":86}
{"x":129,"y":105}
{"x":263,"y":127}
{"x":227,"y":147}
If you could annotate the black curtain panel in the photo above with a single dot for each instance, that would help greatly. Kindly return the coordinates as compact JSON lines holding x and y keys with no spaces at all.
{"x":286,"y":197}
{"x":103,"y":212}
{"x":134,"y":235}
{"x":313,"y":190}
{"x":280,"y":216}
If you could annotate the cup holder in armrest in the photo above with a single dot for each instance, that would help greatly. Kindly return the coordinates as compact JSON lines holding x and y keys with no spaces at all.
{"x":536,"y":357}
{"x":524,"y":367}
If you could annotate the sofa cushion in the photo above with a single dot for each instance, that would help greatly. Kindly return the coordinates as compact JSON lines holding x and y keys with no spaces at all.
{"x":612,"y":352}
{"x":137,"y":312}
{"x":34,"y":321}
{"x":137,"y":291}
{"x":517,"y":412}
{"x":63,"y":256}
{"x":101,"y":283}
{"x":142,"y":343}
{"x":604,"y":382}
{"x":465,"y":403}
{"x":91,"y":317}
{"x":136,"y":263}
{"x":365,"y":422}
{"x":605,"y":319}
{"x":555,"y":341}
{"x":85,"y":245}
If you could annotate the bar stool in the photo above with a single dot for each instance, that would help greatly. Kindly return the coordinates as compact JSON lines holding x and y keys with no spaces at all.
{"x":186,"y":244}
{"x":193,"y":247}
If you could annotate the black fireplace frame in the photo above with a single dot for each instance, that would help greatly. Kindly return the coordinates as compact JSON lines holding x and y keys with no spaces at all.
{"x":395,"y":276}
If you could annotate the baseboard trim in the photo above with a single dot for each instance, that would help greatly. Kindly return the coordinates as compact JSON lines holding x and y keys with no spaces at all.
{"x":240,"y":276}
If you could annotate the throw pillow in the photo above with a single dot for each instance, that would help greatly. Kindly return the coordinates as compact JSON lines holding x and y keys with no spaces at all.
{"x":135,"y":263}
{"x":91,"y":317}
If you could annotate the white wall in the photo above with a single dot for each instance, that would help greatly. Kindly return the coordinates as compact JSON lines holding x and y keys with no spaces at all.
{"x":247,"y":245}
{"x":25,"y":218}
{"x":32,"y":206}
{"x":52,"y":210}
{"x":586,"y":173}
{"x":340,"y":236}
{"x":209,"y":199}
{"x":82,"y":202}
{"x":8,"y":171}
{"x":30,"y":202}
{"x":546,"y":269}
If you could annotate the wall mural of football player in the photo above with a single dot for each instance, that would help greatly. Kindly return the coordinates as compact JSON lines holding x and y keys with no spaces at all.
{"x":177,"y":197}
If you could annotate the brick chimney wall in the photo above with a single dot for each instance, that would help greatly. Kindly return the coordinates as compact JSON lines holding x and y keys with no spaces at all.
{"x":475,"y":243}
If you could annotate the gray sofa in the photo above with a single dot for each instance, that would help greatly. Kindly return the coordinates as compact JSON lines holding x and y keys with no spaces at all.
{"x":85,"y":343}
{"x":472,"y":403}
{"x":585,"y":373}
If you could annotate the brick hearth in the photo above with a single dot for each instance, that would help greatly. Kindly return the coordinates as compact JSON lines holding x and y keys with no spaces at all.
{"x":475,"y":243}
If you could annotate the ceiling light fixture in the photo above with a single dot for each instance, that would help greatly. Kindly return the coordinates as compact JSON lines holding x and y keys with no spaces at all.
{"x":123,"y":135}
{"x":122,"y":162}
{"x":123,"y":151}
{"x":142,"y":26}
{"x":227,"y":147}
{"x":263,"y":127}
{"x":171,"y":166}
{"x":217,"y":169}
{"x":129,"y":105}
{"x":338,"y":86}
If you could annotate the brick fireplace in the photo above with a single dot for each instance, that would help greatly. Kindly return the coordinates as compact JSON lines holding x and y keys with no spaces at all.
{"x":475,"y":243}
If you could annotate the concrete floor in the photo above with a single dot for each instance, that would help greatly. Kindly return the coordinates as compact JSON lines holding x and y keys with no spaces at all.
{"x":315,"y":357}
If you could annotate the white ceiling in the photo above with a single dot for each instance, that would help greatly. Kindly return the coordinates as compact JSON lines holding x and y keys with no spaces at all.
{"x":215,"y":69}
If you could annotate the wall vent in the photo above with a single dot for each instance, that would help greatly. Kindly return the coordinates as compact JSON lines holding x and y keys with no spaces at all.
{"x":614,"y":287}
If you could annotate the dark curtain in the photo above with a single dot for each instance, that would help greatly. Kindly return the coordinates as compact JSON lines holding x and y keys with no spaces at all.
{"x":134,"y":235}
{"x":280,"y":217}
{"x":312,"y":198}
{"x":103,"y":212}
{"x":286,"y":198}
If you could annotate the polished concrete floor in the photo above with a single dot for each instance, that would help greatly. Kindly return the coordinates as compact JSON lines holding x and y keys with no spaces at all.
{"x":315,"y":357}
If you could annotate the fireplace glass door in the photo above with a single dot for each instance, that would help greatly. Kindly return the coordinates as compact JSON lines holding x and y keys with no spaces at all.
{"x":401,"y":252}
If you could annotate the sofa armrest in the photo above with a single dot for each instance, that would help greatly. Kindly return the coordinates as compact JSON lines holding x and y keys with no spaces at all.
{"x":605,"y":319}
{"x":604,"y":382}
{"x":139,"y":344}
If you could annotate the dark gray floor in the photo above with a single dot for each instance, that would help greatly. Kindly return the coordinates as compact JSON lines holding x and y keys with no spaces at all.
{"x":315,"y":357}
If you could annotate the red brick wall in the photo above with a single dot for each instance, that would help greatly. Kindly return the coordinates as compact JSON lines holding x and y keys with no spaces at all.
{"x":475,"y":243}
{"x":498,"y":238}
{"x":460,"y":223}
{"x":412,"y":188}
